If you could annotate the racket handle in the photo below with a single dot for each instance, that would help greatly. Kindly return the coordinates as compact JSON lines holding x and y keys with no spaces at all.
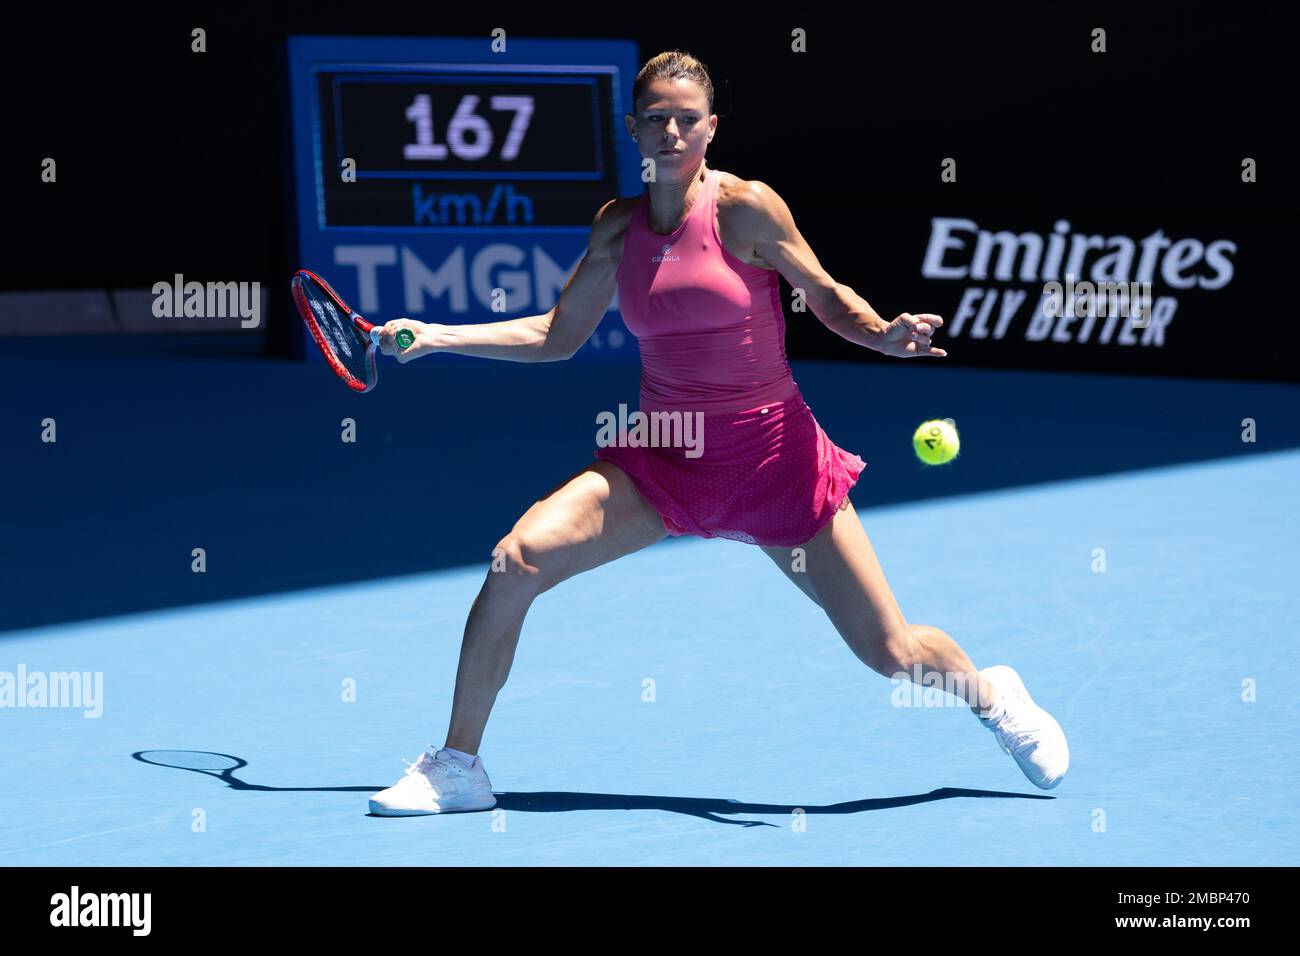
{"x":405,"y":337}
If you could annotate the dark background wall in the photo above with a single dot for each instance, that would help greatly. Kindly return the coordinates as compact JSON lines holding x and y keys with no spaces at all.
{"x":170,"y":160}
{"x":173,"y":161}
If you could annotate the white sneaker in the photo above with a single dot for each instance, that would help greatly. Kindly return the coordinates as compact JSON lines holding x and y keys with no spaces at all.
{"x":436,"y":784}
{"x":1030,"y":734}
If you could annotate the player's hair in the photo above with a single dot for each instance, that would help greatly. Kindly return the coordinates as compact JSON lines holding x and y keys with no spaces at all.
{"x":672,"y":65}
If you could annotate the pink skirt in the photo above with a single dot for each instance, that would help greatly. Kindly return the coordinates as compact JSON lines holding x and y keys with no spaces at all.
{"x":769,"y":476}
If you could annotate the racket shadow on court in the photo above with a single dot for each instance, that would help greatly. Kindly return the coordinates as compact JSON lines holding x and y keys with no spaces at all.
{"x":223,"y":767}
{"x":716,"y":809}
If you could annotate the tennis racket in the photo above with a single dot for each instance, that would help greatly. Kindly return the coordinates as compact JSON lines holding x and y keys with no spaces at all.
{"x":348,"y":342}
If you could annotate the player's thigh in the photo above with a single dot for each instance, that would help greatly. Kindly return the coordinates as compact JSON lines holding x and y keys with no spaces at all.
{"x":794,"y":567}
{"x":595,"y":516}
{"x":850,"y":584}
{"x":793,"y":562}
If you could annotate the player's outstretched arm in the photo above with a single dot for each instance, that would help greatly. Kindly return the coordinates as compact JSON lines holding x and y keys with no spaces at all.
{"x":550,"y":337}
{"x":767,"y":222}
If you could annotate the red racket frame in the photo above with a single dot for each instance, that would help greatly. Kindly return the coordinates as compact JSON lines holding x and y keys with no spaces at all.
{"x":317,"y":333}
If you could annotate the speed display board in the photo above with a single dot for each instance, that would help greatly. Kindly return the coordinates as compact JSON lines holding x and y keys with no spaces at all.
{"x":437,"y":180}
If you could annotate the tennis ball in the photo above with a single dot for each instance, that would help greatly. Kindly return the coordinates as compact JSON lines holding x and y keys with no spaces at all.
{"x":936,"y":441}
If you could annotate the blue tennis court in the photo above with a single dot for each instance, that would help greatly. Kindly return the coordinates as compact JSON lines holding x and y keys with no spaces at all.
{"x":1110,"y":537}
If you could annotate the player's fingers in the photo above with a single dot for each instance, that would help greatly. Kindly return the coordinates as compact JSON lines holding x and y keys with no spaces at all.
{"x":935,"y":320}
{"x":390,"y":340}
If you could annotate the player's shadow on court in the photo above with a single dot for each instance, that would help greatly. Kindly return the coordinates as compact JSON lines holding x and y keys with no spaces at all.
{"x":223,"y":767}
{"x":712,"y":808}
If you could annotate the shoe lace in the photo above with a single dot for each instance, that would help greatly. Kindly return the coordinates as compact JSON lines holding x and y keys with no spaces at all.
{"x":429,"y":766}
{"x":1019,"y":740}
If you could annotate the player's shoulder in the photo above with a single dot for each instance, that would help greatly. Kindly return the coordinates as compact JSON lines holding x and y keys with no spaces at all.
{"x":749,"y":202}
{"x":610,"y":224}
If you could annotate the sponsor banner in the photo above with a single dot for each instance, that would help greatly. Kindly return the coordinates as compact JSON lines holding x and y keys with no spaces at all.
{"x":1102,"y":293}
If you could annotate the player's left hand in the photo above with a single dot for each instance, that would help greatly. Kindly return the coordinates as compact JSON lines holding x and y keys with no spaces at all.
{"x":909,"y":336}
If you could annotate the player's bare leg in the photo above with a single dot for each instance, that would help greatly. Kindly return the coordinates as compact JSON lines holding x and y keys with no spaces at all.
{"x":593,"y":518}
{"x":845,"y":578}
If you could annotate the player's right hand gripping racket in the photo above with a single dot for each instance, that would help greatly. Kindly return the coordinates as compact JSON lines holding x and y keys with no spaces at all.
{"x":348,"y":341}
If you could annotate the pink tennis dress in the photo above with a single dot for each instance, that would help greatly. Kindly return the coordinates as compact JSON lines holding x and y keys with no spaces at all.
{"x":726,"y":446}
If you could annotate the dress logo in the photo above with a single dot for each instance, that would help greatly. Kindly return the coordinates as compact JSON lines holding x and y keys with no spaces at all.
{"x":666,"y":257}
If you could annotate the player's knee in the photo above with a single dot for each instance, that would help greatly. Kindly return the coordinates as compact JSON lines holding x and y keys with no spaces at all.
{"x":897,"y":651}
{"x":924,"y":634}
{"x":515,"y":562}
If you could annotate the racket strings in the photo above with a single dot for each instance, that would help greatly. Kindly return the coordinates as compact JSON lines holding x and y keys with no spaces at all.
{"x":339,"y":335}
{"x":332,"y":324}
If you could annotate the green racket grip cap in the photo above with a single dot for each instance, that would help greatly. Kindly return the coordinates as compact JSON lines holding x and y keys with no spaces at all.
{"x":405,"y":337}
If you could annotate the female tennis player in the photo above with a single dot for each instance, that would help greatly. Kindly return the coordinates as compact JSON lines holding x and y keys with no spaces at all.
{"x":695,"y":261}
